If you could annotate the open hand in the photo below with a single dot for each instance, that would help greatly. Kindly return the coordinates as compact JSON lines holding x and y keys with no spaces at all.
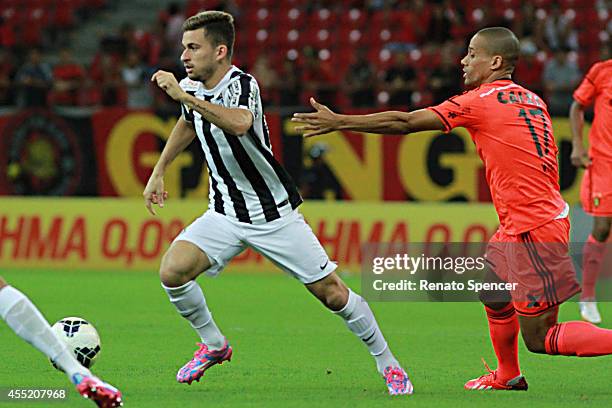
{"x":316,"y":123}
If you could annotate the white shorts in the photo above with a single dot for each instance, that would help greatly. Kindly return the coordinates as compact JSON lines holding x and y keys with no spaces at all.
{"x":288,"y":242}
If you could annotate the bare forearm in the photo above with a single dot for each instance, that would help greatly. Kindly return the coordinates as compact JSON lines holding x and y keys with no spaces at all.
{"x":390,"y":122}
{"x":179,"y":139}
{"x":576,"y":123}
{"x":234,"y":121}
{"x":324,"y":120}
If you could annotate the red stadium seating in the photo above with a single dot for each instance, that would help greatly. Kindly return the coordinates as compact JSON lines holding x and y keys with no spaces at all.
{"x":285,"y":27}
{"x":323,"y":18}
{"x":353,"y":18}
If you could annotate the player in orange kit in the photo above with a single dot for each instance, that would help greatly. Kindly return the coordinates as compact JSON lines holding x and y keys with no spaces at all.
{"x":512,"y":131}
{"x":596,"y":189}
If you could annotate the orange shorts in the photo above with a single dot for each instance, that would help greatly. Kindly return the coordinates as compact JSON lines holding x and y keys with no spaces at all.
{"x":596,"y":188}
{"x":538,"y":265}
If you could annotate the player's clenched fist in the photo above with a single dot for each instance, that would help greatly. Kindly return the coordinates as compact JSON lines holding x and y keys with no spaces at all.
{"x":579,"y":156}
{"x":166,"y":81}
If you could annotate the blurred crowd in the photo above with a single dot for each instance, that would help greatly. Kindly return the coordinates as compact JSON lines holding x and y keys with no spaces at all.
{"x":349,"y":54}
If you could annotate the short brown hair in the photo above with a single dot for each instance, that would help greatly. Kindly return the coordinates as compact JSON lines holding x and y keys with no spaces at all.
{"x":218,"y":26}
{"x":502,"y":41}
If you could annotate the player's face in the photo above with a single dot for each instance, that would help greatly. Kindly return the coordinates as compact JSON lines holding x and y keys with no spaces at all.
{"x":200,"y":58}
{"x":476,"y":64}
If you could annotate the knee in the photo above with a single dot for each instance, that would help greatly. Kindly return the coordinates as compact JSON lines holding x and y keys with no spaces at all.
{"x":174,"y":271}
{"x":535,"y":344}
{"x":331,"y":291}
{"x":495,"y":300}
{"x":181,"y":263}
{"x":336,"y":297}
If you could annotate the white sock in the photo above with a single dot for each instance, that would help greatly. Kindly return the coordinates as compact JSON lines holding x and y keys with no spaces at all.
{"x":360,"y":320}
{"x":190,"y":302}
{"x":28,"y":323}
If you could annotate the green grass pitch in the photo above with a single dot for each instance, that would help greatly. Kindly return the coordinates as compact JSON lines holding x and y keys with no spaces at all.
{"x":288,"y":350}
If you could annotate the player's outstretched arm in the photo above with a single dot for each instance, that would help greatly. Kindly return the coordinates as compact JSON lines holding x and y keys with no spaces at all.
{"x":324,"y":120}
{"x":182,"y":134}
{"x":579,"y":156}
{"x":235,"y":121}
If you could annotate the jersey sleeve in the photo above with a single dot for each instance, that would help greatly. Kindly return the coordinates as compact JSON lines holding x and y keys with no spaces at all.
{"x":186,"y":113}
{"x":458,"y":111}
{"x":586,"y":91}
{"x":244,"y":93}
{"x":190,"y":87}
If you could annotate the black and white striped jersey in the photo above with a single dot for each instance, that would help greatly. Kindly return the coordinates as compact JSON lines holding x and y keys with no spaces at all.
{"x":245,"y":180}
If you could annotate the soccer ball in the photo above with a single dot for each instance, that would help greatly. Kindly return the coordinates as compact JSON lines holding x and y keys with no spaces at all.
{"x":81,"y":337}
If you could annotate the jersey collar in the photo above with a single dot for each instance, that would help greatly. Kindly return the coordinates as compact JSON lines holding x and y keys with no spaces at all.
{"x":502,"y":80}
{"x":223,"y":82}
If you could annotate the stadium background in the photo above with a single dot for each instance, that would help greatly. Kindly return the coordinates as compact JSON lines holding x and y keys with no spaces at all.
{"x":81,"y":127}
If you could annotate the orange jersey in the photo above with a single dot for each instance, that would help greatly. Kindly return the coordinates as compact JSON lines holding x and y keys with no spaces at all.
{"x":512,"y":131}
{"x":596,"y":87}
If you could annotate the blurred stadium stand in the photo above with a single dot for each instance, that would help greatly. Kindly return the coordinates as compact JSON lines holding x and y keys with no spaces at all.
{"x":319,"y":38}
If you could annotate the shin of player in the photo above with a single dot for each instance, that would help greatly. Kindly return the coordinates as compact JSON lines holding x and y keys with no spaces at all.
{"x":360,"y":320}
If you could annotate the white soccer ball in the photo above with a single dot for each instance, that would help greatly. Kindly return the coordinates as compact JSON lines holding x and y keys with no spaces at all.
{"x":81,"y":337}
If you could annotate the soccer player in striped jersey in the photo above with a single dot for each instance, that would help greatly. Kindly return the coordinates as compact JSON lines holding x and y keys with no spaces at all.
{"x":253,"y":201}
{"x":596,"y":188}
{"x":24,"y":318}
{"x":512,"y":131}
